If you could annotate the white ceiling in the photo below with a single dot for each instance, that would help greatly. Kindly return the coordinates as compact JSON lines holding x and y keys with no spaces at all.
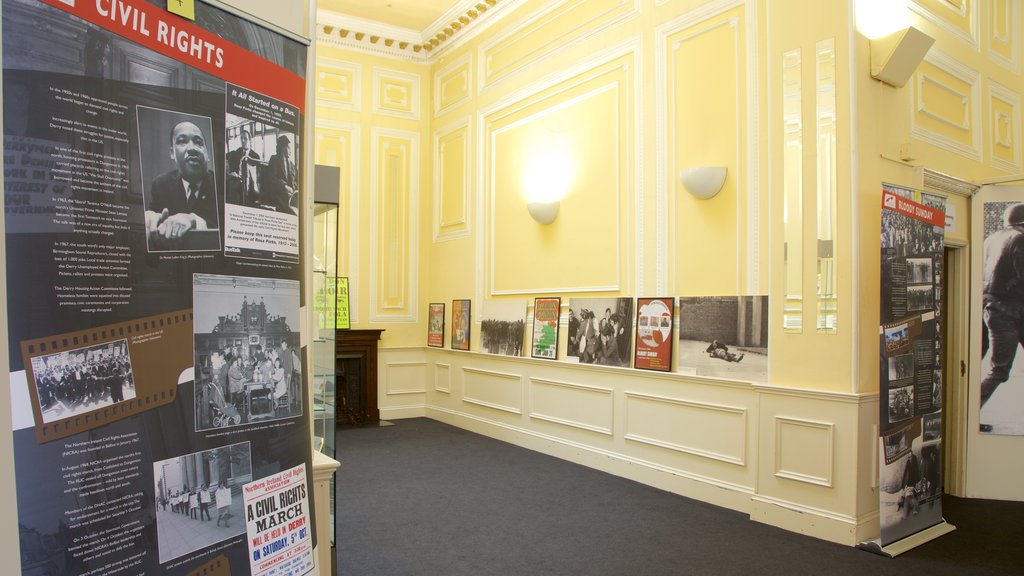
{"x":417,"y":15}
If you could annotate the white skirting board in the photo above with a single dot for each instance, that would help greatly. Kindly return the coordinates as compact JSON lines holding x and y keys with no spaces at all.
{"x":910,"y":542}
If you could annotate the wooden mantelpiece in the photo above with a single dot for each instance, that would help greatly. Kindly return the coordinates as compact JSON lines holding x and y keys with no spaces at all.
{"x":358,"y":345}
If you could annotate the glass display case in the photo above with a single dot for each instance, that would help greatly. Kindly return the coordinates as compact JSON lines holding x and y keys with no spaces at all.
{"x":325,"y":234}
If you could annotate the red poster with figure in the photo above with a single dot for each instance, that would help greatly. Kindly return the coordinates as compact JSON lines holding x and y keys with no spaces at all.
{"x":654,"y":328}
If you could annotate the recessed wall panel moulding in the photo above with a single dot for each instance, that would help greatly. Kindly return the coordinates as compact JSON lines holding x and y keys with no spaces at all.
{"x":338,"y":84}
{"x":959,"y":18}
{"x":1004,"y":30}
{"x":452,"y":177}
{"x":947,"y":105}
{"x":394,"y":198}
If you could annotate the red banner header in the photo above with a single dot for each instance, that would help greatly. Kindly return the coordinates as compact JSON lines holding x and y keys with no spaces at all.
{"x":913,"y":209}
{"x":185,"y":42}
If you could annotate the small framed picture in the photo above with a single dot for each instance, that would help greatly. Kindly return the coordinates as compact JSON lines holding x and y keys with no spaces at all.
{"x":460,"y":324}
{"x":435,"y":325}
{"x":545,"y":327}
{"x":654,"y":334}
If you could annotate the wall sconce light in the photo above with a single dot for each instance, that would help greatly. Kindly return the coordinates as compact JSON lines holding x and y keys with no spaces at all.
{"x":703,"y":182}
{"x":543,"y":212}
{"x":895,"y":57}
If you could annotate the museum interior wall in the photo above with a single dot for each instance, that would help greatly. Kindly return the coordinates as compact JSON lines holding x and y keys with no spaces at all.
{"x":435,"y":153}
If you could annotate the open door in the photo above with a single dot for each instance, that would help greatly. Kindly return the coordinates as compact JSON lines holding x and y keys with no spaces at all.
{"x":995,"y":434}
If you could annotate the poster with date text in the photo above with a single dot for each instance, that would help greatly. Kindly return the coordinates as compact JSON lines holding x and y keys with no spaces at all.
{"x":151,"y":175}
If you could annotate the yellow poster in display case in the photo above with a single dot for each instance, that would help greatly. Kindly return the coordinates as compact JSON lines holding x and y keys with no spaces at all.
{"x":341,"y":296}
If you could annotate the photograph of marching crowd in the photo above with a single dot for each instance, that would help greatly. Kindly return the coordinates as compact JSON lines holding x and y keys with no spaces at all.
{"x":600,"y":331}
{"x":199,"y":498}
{"x":78,"y":381}
{"x":503,"y":327}
{"x":247,"y":366}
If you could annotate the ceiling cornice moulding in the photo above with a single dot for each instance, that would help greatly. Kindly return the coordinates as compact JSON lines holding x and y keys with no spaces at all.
{"x":341,"y":30}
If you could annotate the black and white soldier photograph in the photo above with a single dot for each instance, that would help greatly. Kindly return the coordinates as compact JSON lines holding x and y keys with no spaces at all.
{"x":920,"y":297}
{"x":724,"y":337}
{"x":503,"y":327}
{"x":1002,"y":319}
{"x":199,"y":499}
{"x":247,"y":366}
{"x":901,"y":403}
{"x":79,"y":381}
{"x":600,"y":331}
{"x":182,"y":206}
{"x":901,"y":367}
{"x":919,"y":271}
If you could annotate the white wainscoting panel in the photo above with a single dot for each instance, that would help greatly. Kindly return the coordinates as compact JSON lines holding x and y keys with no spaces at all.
{"x":712,"y":431}
{"x":405,"y":378}
{"x":497,"y":390}
{"x":575,"y":405}
{"x":443,"y":378}
{"x":804,"y":450}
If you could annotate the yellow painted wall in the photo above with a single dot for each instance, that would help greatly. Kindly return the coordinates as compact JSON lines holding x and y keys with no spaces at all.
{"x":637,"y":91}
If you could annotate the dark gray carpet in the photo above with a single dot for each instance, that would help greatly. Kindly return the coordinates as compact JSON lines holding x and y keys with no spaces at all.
{"x":425,"y":498}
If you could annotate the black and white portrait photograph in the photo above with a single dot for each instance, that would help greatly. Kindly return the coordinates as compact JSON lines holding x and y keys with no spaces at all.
{"x":247,"y":366}
{"x":260,"y":166}
{"x":1002,"y":319}
{"x":199,"y":499}
{"x":503,"y":327}
{"x":182,"y":209}
{"x":600,"y":331}
{"x":82,"y":380}
{"x":901,"y":403}
{"x":901,"y":367}
{"x":919,"y":271}
{"x":724,"y":337}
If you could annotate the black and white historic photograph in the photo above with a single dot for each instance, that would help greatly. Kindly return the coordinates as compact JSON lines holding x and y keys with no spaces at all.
{"x":182,"y":210}
{"x":199,"y":498}
{"x":908,"y":486}
{"x":920,"y":297}
{"x":901,"y":403}
{"x":1002,"y":319}
{"x":600,"y":331}
{"x":503,"y":327}
{"x":901,"y":367}
{"x":919,"y":271}
{"x":724,"y":337}
{"x":82,"y":380}
{"x":260,"y":166}
{"x":247,"y":366}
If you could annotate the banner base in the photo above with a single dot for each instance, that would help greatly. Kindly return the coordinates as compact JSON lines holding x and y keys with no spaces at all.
{"x":913,"y":541}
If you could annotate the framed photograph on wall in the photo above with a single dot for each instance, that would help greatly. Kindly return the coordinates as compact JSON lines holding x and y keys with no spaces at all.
{"x":435,"y":325}
{"x":545,"y":328}
{"x":460,"y":324}
{"x":654,"y":334}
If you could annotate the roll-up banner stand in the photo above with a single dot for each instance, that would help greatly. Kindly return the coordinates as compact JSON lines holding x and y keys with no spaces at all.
{"x":910,"y":371}
{"x":152,"y":170}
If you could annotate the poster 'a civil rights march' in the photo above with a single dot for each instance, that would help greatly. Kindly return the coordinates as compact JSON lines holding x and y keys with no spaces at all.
{"x":910,"y":378}
{"x":152,"y":185}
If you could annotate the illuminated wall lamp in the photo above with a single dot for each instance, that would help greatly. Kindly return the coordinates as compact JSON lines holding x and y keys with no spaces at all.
{"x":703,"y":182}
{"x":895,"y":57}
{"x":543,"y":212}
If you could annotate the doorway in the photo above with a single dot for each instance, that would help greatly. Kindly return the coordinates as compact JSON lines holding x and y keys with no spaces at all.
{"x":955,"y":286}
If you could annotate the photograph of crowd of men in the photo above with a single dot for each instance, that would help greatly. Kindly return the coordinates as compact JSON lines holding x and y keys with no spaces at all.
{"x":503,"y":327}
{"x":601,"y":331}
{"x":182,"y":211}
{"x":199,"y":498}
{"x":247,"y":365}
{"x":260,"y":169}
{"x":78,"y":381}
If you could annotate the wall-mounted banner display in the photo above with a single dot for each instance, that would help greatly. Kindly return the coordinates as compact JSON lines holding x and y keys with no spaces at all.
{"x":600,"y":331}
{"x":503,"y":327}
{"x":724,"y":337}
{"x":151,"y":177}
{"x":910,"y":377}
{"x":1002,"y":318}
{"x":546,"y":312}
{"x":654,"y":333}
{"x":435,"y":325}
